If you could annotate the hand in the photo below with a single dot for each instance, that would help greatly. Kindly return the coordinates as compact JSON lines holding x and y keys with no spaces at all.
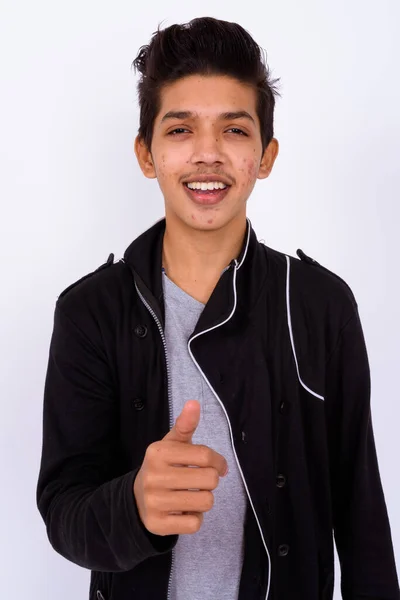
{"x":171,"y":497}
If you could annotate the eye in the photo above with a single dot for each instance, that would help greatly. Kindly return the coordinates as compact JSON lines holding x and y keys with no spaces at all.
{"x":177,"y":130}
{"x":237,"y":131}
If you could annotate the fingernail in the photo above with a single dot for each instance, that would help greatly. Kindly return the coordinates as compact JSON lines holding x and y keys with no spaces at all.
{"x":226,"y":472}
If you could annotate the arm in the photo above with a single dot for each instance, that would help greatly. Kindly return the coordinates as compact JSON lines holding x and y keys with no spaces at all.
{"x":361,"y":525}
{"x":88,"y":508}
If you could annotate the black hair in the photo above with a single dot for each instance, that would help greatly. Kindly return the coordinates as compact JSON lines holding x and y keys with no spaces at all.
{"x":204,"y":46}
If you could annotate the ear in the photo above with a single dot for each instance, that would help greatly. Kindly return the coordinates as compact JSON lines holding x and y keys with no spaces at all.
{"x":268,"y":159}
{"x":144,"y":158}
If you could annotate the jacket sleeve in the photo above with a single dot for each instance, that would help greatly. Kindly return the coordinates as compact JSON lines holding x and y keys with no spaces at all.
{"x":89,"y":509}
{"x":361,"y":525}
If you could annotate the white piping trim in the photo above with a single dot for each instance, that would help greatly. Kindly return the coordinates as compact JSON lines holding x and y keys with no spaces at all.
{"x":247,"y":246}
{"x":289,"y":319}
{"x":223,"y":407}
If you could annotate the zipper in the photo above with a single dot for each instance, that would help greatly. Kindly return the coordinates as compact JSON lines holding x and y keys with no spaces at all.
{"x":237,"y":266}
{"x":151,"y":311}
{"x":160,"y":329}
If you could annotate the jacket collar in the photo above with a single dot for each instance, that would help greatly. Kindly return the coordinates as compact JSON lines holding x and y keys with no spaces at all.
{"x":238,"y":286}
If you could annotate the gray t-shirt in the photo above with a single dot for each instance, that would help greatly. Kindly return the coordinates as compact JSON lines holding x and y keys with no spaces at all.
{"x":207,"y":565}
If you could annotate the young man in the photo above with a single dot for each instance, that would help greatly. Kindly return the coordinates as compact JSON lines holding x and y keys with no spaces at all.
{"x":202,"y":349}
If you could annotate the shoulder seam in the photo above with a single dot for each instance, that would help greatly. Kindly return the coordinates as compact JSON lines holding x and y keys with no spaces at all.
{"x":109,"y":262}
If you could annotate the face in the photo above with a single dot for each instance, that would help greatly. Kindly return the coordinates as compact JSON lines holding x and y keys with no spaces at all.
{"x":207,"y":131}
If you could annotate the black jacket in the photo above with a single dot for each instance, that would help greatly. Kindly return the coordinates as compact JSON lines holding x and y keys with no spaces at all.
{"x":285,"y":353}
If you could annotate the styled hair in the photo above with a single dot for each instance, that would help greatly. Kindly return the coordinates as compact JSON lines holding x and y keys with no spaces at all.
{"x":204,"y":46}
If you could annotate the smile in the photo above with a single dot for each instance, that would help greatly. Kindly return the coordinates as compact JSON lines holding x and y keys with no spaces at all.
{"x":206,"y":185}
{"x":209,"y":194}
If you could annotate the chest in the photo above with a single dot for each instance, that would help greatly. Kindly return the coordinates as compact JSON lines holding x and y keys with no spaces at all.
{"x":249,"y":365}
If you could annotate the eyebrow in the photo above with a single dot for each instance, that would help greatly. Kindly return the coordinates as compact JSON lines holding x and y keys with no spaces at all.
{"x":226,"y":116}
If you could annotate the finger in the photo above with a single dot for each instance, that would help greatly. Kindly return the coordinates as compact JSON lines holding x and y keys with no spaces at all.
{"x":186,"y":478}
{"x":183,"y":501}
{"x":179,"y":456}
{"x":186,"y":423}
{"x":179,"y":524}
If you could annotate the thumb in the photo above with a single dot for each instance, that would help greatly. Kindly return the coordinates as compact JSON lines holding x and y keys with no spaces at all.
{"x":186,"y":423}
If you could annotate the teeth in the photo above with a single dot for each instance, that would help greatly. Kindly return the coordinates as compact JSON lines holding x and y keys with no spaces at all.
{"x":206,"y":185}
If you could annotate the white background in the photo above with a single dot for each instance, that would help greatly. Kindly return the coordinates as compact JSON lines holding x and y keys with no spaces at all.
{"x":71,"y":192}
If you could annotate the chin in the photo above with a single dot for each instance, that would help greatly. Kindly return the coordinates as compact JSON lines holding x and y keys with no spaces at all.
{"x":207,"y":222}
{"x":200,"y":219}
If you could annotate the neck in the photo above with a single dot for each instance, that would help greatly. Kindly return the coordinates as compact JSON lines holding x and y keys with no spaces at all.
{"x":195,"y":259}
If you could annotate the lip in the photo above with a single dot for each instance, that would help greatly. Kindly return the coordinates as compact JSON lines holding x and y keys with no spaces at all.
{"x":208,"y":177}
{"x":203,"y":198}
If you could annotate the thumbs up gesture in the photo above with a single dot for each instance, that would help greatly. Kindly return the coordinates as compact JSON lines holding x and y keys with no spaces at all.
{"x":171,"y":496}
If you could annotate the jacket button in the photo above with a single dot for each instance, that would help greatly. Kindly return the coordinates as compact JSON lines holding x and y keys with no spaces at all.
{"x":283,"y":550}
{"x":280,"y":481}
{"x":141,"y":331}
{"x":138,"y":404}
{"x":244,"y":438}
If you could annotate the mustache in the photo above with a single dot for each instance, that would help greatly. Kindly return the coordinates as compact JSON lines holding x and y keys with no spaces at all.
{"x":215,"y":173}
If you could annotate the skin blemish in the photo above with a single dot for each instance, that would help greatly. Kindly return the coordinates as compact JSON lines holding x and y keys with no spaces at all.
{"x":178,"y":157}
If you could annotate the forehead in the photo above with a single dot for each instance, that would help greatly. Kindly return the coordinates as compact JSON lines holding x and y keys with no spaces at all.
{"x":207,"y":96}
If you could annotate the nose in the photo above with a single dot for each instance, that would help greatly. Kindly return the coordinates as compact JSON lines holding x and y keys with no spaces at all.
{"x":207,"y":149}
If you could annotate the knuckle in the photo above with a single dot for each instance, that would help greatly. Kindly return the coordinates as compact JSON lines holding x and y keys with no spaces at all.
{"x":151,"y":452}
{"x":213,"y":479}
{"x":195,"y":523}
{"x":153,"y":526}
{"x":209,"y":500}
{"x":146,"y":481}
{"x":151,"y":502}
{"x":206,"y":453}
